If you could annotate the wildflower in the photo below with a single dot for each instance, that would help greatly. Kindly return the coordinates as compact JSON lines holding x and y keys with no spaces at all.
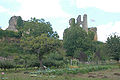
{"x":3,"y":73}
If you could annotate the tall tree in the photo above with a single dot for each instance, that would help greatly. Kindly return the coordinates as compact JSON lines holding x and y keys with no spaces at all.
{"x":78,"y":43}
{"x":74,"y":38}
{"x":39,"y":37}
{"x":19,"y":22}
{"x":36,"y":27}
{"x":40,"y":45}
{"x":113,"y":46}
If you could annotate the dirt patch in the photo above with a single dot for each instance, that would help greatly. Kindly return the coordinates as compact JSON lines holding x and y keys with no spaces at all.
{"x":113,"y":74}
{"x":118,"y":74}
{"x":94,"y":75}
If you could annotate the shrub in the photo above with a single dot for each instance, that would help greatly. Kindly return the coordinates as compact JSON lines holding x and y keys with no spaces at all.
{"x":6,"y":64}
{"x":53,"y":59}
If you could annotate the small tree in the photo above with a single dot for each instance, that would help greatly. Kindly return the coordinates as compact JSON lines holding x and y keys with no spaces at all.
{"x":19,"y":22}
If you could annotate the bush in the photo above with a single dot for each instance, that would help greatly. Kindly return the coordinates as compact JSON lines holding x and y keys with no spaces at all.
{"x":54,"y":59}
{"x":6,"y":64}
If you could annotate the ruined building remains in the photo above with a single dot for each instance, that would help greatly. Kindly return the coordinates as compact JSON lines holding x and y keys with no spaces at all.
{"x":79,"y":22}
{"x":13,"y":23}
{"x":94,"y":29}
{"x":84,"y":24}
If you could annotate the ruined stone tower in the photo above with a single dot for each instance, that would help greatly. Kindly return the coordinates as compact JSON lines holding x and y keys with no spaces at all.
{"x":79,"y":22}
{"x":83,"y":24}
{"x":13,"y":23}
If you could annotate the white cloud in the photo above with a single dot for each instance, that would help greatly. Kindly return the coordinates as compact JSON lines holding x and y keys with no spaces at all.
{"x":72,"y":2}
{"x":106,"y":5}
{"x":5,"y":10}
{"x":46,"y":9}
{"x":104,"y":31}
{"x":40,"y":8}
{"x":2,"y":9}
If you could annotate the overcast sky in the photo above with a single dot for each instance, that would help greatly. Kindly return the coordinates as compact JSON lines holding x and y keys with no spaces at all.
{"x":105,"y":13}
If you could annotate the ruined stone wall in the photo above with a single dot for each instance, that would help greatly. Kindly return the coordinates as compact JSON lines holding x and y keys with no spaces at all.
{"x":72,"y":22}
{"x":79,"y":22}
{"x":13,"y":23}
{"x":84,"y":24}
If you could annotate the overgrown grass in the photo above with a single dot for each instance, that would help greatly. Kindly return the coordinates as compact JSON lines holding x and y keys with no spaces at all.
{"x":57,"y":74}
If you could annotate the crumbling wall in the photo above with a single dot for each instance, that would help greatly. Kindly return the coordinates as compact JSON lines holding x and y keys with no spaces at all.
{"x":13,"y":23}
{"x":83,"y":24}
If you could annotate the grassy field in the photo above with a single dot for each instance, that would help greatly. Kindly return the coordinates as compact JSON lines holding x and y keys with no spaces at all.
{"x":22,"y":76}
{"x":102,"y":72}
{"x":111,"y":74}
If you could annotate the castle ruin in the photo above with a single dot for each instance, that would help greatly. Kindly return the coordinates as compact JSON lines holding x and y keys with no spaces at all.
{"x":84,"y":24}
{"x":13,"y":23}
{"x":79,"y":22}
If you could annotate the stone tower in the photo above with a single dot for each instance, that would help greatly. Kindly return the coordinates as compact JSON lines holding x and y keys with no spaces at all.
{"x":13,"y":23}
{"x":79,"y":22}
{"x":84,"y":24}
{"x":72,"y":22}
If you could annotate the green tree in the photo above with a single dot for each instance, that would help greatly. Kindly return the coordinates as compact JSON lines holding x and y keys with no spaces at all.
{"x":113,"y":46}
{"x":36,"y":27}
{"x":11,"y":34}
{"x":74,"y":38}
{"x":19,"y":22}
{"x":38,"y":37}
{"x":101,"y":51}
{"x":40,"y":45}
{"x":91,"y":35}
{"x":78,"y":43}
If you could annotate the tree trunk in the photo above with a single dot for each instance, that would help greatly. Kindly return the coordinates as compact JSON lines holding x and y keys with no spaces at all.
{"x":40,"y":59}
{"x":40,"y":62}
{"x":41,"y":65}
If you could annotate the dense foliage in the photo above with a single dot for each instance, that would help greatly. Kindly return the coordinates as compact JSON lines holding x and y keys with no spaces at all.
{"x":79,"y":44}
{"x":6,"y":33}
{"x":74,"y":38}
{"x":20,"y":23}
{"x":54,"y":59}
{"x":39,"y":38}
{"x":39,"y":45}
{"x":36,"y":27}
{"x":113,"y":46}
